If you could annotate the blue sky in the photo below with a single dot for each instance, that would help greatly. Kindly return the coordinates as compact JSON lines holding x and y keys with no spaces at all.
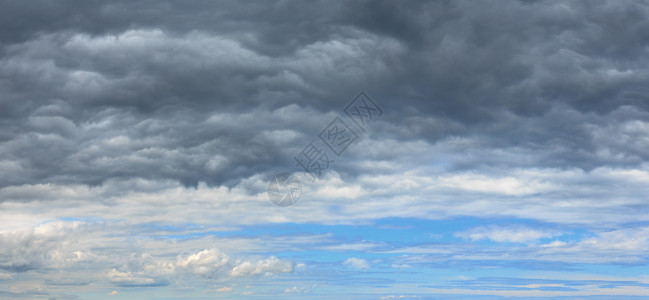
{"x":467,"y":149}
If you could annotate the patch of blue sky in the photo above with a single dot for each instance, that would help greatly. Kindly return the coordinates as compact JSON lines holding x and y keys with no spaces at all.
{"x":391,"y":245}
{"x":88,"y":219}
{"x":621,"y":270}
{"x":522,"y":281}
{"x":403,"y":230}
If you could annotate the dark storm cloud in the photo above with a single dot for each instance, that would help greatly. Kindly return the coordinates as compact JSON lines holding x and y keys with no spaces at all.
{"x":545,"y":75}
{"x":216,"y":91}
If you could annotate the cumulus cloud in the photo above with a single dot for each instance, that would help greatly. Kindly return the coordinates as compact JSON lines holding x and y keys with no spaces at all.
{"x":55,"y":246}
{"x":268,"y":266}
{"x":146,"y":270}
{"x":203,"y":262}
{"x":41,"y":247}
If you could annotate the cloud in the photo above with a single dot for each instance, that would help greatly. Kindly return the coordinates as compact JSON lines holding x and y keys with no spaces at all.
{"x":146,"y":270}
{"x":203,"y":263}
{"x":633,"y":239}
{"x":399,"y":297}
{"x":131,"y":279}
{"x":88,"y":248}
{"x":625,"y":246}
{"x":357,"y":263}
{"x":269,"y":266}
{"x":295,"y":290}
{"x":506,"y":234}
{"x":104,"y":108}
{"x":109,"y":93}
{"x":39,"y":248}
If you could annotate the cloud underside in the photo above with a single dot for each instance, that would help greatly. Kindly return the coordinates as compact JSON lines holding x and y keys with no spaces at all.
{"x":86,"y":102}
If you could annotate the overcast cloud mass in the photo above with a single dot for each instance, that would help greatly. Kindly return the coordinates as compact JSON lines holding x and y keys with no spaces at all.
{"x":137,"y":139}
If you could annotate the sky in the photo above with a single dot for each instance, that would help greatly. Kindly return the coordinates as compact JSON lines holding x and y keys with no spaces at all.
{"x":501,"y":151}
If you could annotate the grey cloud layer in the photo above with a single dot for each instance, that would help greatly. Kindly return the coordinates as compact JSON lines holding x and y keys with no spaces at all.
{"x":216,"y":92}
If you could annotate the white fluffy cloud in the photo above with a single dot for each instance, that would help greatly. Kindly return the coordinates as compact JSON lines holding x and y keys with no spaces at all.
{"x":269,"y":266}
{"x":88,"y":249}
{"x":204,"y":263}
{"x":357,"y":263}
{"x":209,"y":263}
